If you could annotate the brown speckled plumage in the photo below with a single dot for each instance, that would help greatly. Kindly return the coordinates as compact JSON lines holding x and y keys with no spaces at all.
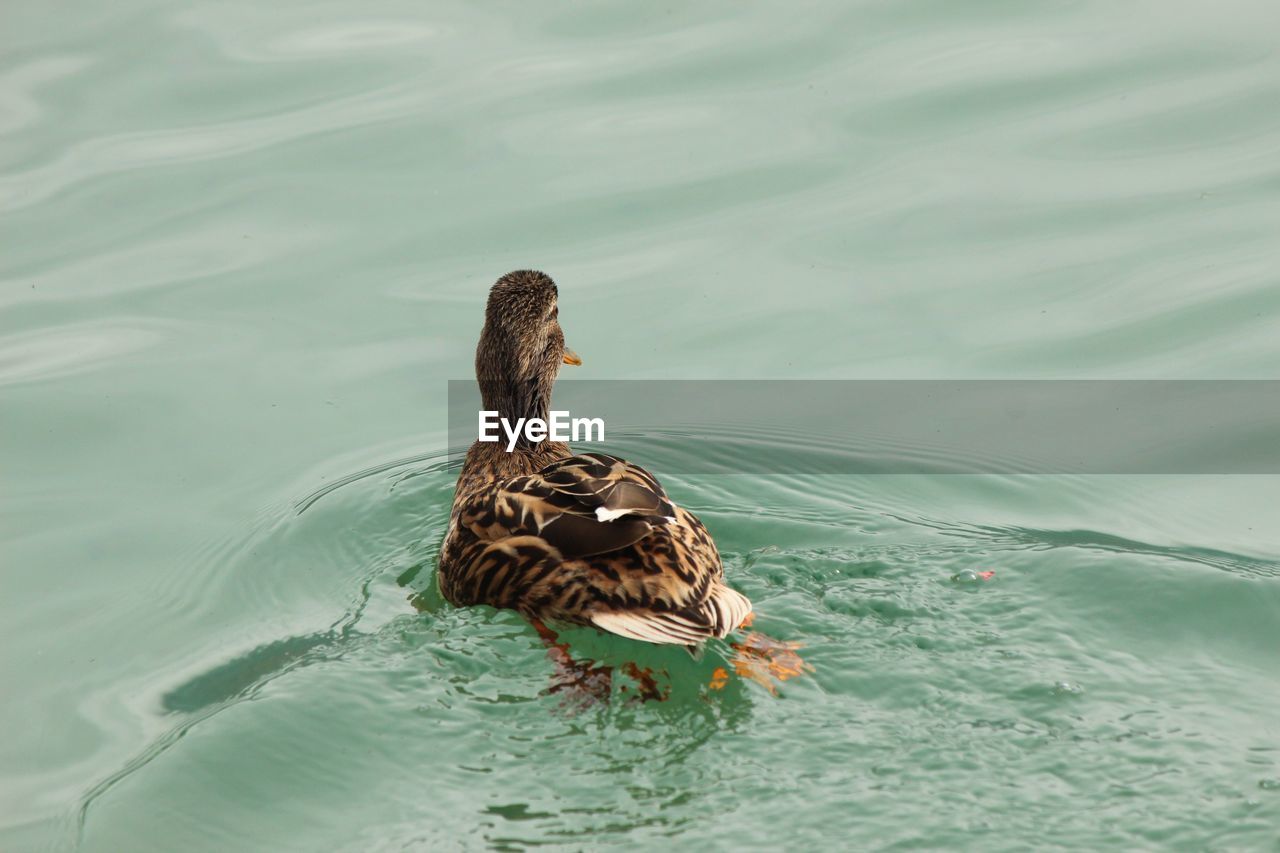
{"x":528,"y":530}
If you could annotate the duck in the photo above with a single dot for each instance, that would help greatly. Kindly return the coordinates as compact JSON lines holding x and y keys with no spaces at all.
{"x":585,"y":539}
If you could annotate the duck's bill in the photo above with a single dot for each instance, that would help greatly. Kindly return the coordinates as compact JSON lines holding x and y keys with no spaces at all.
{"x":571,"y":357}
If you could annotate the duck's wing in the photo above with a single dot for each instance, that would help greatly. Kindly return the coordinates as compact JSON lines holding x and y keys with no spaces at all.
{"x":581,"y":506}
{"x":532,"y":531}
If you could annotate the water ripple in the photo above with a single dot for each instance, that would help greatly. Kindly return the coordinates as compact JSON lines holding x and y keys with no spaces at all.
{"x":135,"y":150}
{"x":77,"y":347}
{"x":20,"y":107}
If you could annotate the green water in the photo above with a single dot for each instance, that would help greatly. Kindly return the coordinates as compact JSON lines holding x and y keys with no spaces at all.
{"x":246,"y":245}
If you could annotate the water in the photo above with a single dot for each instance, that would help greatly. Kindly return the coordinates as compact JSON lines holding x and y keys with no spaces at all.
{"x":246,"y":246}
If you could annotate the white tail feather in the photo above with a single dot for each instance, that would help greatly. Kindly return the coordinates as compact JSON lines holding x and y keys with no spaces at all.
{"x":725,"y":610}
{"x":644,"y":626}
{"x":733,"y":607}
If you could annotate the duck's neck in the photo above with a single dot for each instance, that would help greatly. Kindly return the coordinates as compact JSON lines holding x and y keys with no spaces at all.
{"x":514,"y":400}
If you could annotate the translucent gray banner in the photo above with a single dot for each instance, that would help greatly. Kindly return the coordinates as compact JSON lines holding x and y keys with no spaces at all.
{"x":917,"y":426}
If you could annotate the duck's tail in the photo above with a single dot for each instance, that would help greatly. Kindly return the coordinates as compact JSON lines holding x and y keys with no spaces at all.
{"x":722,"y":611}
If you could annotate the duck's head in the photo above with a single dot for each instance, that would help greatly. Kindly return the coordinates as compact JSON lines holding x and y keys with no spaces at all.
{"x":521,"y":347}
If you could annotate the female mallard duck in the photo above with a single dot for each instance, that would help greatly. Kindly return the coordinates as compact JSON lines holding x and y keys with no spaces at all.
{"x":588,"y":539}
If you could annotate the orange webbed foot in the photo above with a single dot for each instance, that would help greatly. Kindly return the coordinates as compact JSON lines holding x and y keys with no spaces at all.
{"x":762,"y":659}
{"x":580,"y":684}
{"x":647,"y":689}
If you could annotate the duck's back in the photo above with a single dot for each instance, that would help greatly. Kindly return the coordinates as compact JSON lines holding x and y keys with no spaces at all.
{"x":590,"y":539}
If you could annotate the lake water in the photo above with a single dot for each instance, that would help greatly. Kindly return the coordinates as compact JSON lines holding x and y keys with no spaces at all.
{"x":247,"y":245}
